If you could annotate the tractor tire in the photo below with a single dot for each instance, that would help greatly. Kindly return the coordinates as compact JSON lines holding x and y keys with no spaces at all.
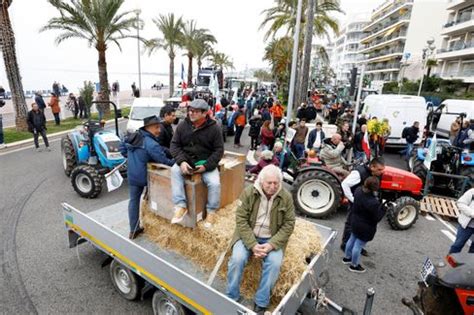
{"x":411,"y":161}
{"x":316,"y":194}
{"x":86,"y":181}
{"x":419,"y":169}
{"x":403,"y":213}
{"x":68,"y":155}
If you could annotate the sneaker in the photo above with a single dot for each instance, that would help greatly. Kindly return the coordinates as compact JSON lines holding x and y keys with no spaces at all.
{"x":39,"y":149}
{"x":211,"y":219}
{"x":136,"y":233}
{"x":48,"y":149}
{"x":3,"y":145}
{"x":363,"y":252}
{"x":358,"y":269}
{"x":346,"y":261}
{"x":179,"y":214}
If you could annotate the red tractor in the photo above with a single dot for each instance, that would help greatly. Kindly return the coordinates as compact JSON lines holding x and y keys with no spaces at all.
{"x":317,"y":193}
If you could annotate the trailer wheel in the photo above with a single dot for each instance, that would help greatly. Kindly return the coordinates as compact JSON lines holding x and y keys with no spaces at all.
{"x":86,"y":181}
{"x":124,"y":280}
{"x":403,"y":213}
{"x":165,"y":305}
{"x":316,"y":193}
{"x":68,"y":155}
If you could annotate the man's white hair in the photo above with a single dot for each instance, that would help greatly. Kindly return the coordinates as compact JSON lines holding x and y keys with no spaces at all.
{"x":270,"y":170}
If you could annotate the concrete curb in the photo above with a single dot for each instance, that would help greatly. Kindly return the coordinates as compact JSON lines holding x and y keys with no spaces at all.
{"x":50,"y":136}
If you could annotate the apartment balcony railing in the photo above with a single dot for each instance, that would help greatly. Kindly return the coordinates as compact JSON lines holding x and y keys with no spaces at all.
{"x":396,"y":6}
{"x":393,"y":65}
{"x":385,"y":39}
{"x":457,"y":46}
{"x":384,"y":52}
{"x":464,"y":17}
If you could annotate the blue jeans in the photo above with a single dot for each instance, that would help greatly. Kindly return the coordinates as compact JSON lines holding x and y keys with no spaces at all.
{"x":270,"y":272}
{"x":1,"y":129}
{"x":134,"y":206}
{"x":407,"y":150}
{"x":461,"y":238}
{"x":354,"y":247}
{"x":210,"y":179}
{"x":299,"y":150}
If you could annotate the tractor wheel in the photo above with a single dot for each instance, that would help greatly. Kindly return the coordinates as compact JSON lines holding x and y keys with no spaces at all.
{"x":316,"y":193}
{"x":403,"y":213}
{"x":68,"y":155}
{"x":411,"y":161}
{"x":87,"y":182}
{"x":419,"y":169}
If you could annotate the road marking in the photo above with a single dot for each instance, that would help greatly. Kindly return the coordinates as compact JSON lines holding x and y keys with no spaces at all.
{"x":449,"y":235}
{"x":429,"y":217}
{"x":446,"y":224}
{"x":251,"y":158}
{"x":27,"y":147}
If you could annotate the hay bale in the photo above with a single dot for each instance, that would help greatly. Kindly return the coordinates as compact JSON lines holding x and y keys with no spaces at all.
{"x":204,"y":246}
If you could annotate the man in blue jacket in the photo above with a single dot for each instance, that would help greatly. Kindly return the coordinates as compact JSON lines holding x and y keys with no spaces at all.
{"x":140,"y":148}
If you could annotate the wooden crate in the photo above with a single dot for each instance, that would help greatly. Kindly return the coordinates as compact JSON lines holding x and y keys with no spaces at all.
{"x":232,"y":176}
{"x":440,"y":205}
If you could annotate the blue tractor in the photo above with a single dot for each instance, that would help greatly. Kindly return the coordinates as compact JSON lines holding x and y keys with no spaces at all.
{"x":89,"y":153}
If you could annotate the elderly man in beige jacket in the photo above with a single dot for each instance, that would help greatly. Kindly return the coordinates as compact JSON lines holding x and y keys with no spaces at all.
{"x":466,"y":222}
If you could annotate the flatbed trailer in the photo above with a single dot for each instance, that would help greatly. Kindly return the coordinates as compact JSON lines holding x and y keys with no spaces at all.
{"x":140,"y":265}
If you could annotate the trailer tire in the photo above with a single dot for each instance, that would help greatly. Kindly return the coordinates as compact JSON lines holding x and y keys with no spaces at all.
{"x":164,"y":304}
{"x":86,"y":181}
{"x":324,"y":186}
{"x":403,"y":213}
{"x":125,"y":281}
{"x":68,"y":155}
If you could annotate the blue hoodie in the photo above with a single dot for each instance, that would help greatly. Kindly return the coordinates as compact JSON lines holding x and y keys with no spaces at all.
{"x":141,"y":148}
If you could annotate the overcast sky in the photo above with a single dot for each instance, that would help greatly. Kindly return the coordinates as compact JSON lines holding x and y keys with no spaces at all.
{"x":234,"y":24}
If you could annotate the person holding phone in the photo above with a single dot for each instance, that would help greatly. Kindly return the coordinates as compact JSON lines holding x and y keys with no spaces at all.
{"x":197,"y":146}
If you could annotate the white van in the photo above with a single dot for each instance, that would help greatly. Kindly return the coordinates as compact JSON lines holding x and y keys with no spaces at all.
{"x":143,"y":107}
{"x":400,"y":110}
{"x":455,"y":107}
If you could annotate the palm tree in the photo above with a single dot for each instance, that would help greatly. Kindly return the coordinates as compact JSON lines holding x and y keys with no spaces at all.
{"x":7,"y":46}
{"x":318,"y":23}
{"x":221,"y":60}
{"x":203,"y":51}
{"x":172,"y":30}
{"x":278,"y":54}
{"x":194,"y":40}
{"x":430,"y":63}
{"x":97,"y":21}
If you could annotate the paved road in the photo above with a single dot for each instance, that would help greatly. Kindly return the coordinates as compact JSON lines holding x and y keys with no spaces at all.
{"x":40,"y":274}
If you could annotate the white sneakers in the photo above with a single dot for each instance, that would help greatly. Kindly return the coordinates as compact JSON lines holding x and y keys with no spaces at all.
{"x":179,"y":214}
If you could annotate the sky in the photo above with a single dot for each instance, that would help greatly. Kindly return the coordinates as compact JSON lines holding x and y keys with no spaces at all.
{"x":235,"y":25}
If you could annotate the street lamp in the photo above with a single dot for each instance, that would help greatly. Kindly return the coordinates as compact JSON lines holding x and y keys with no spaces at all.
{"x":427,"y":52}
{"x":137,"y":12}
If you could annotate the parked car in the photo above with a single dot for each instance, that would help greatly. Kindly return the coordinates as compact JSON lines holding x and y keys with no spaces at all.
{"x":143,"y":107}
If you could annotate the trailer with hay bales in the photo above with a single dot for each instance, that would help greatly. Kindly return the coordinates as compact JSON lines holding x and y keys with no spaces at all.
{"x":183,"y":277}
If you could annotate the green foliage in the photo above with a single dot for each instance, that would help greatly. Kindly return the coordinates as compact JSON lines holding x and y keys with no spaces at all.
{"x":87,"y":93}
{"x":263,"y":75}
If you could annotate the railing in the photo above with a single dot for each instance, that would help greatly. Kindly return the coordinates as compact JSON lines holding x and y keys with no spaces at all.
{"x":457,"y":46}
{"x":392,"y":8}
{"x":465,"y":17}
{"x":388,"y":24}
{"x":386,"y":52}
{"x":385,"y":39}
{"x":393,"y":65}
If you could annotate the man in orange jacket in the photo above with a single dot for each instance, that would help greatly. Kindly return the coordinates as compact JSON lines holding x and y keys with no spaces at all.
{"x":277,"y":112}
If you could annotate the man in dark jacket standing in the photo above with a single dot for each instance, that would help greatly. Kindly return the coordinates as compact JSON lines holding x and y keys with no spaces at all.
{"x":198,"y":147}
{"x":40,"y":101}
{"x":411,"y":135}
{"x":37,"y":126}
{"x":349,"y":185}
{"x":140,"y":148}
{"x":316,"y":137}
{"x":167,"y":114}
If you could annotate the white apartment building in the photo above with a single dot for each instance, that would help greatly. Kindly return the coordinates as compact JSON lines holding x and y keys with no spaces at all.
{"x":396,"y":36}
{"x":346,"y":54}
{"x":456,"y":56}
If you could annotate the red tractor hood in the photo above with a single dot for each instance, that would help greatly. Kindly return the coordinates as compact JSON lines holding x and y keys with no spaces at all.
{"x":399,"y":180}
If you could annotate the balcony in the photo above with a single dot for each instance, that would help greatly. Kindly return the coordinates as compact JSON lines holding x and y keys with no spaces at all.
{"x":401,"y":35}
{"x":384,"y":52}
{"x":455,"y":5}
{"x":464,"y":23}
{"x":389,"y":12}
{"x":466,"y":75}
{"x":405,"y":19}
{"x":385,"y":67}
{"x":456,"y":50}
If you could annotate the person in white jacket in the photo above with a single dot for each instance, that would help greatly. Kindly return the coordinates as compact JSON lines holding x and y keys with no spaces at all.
{"x":466,"y":222}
